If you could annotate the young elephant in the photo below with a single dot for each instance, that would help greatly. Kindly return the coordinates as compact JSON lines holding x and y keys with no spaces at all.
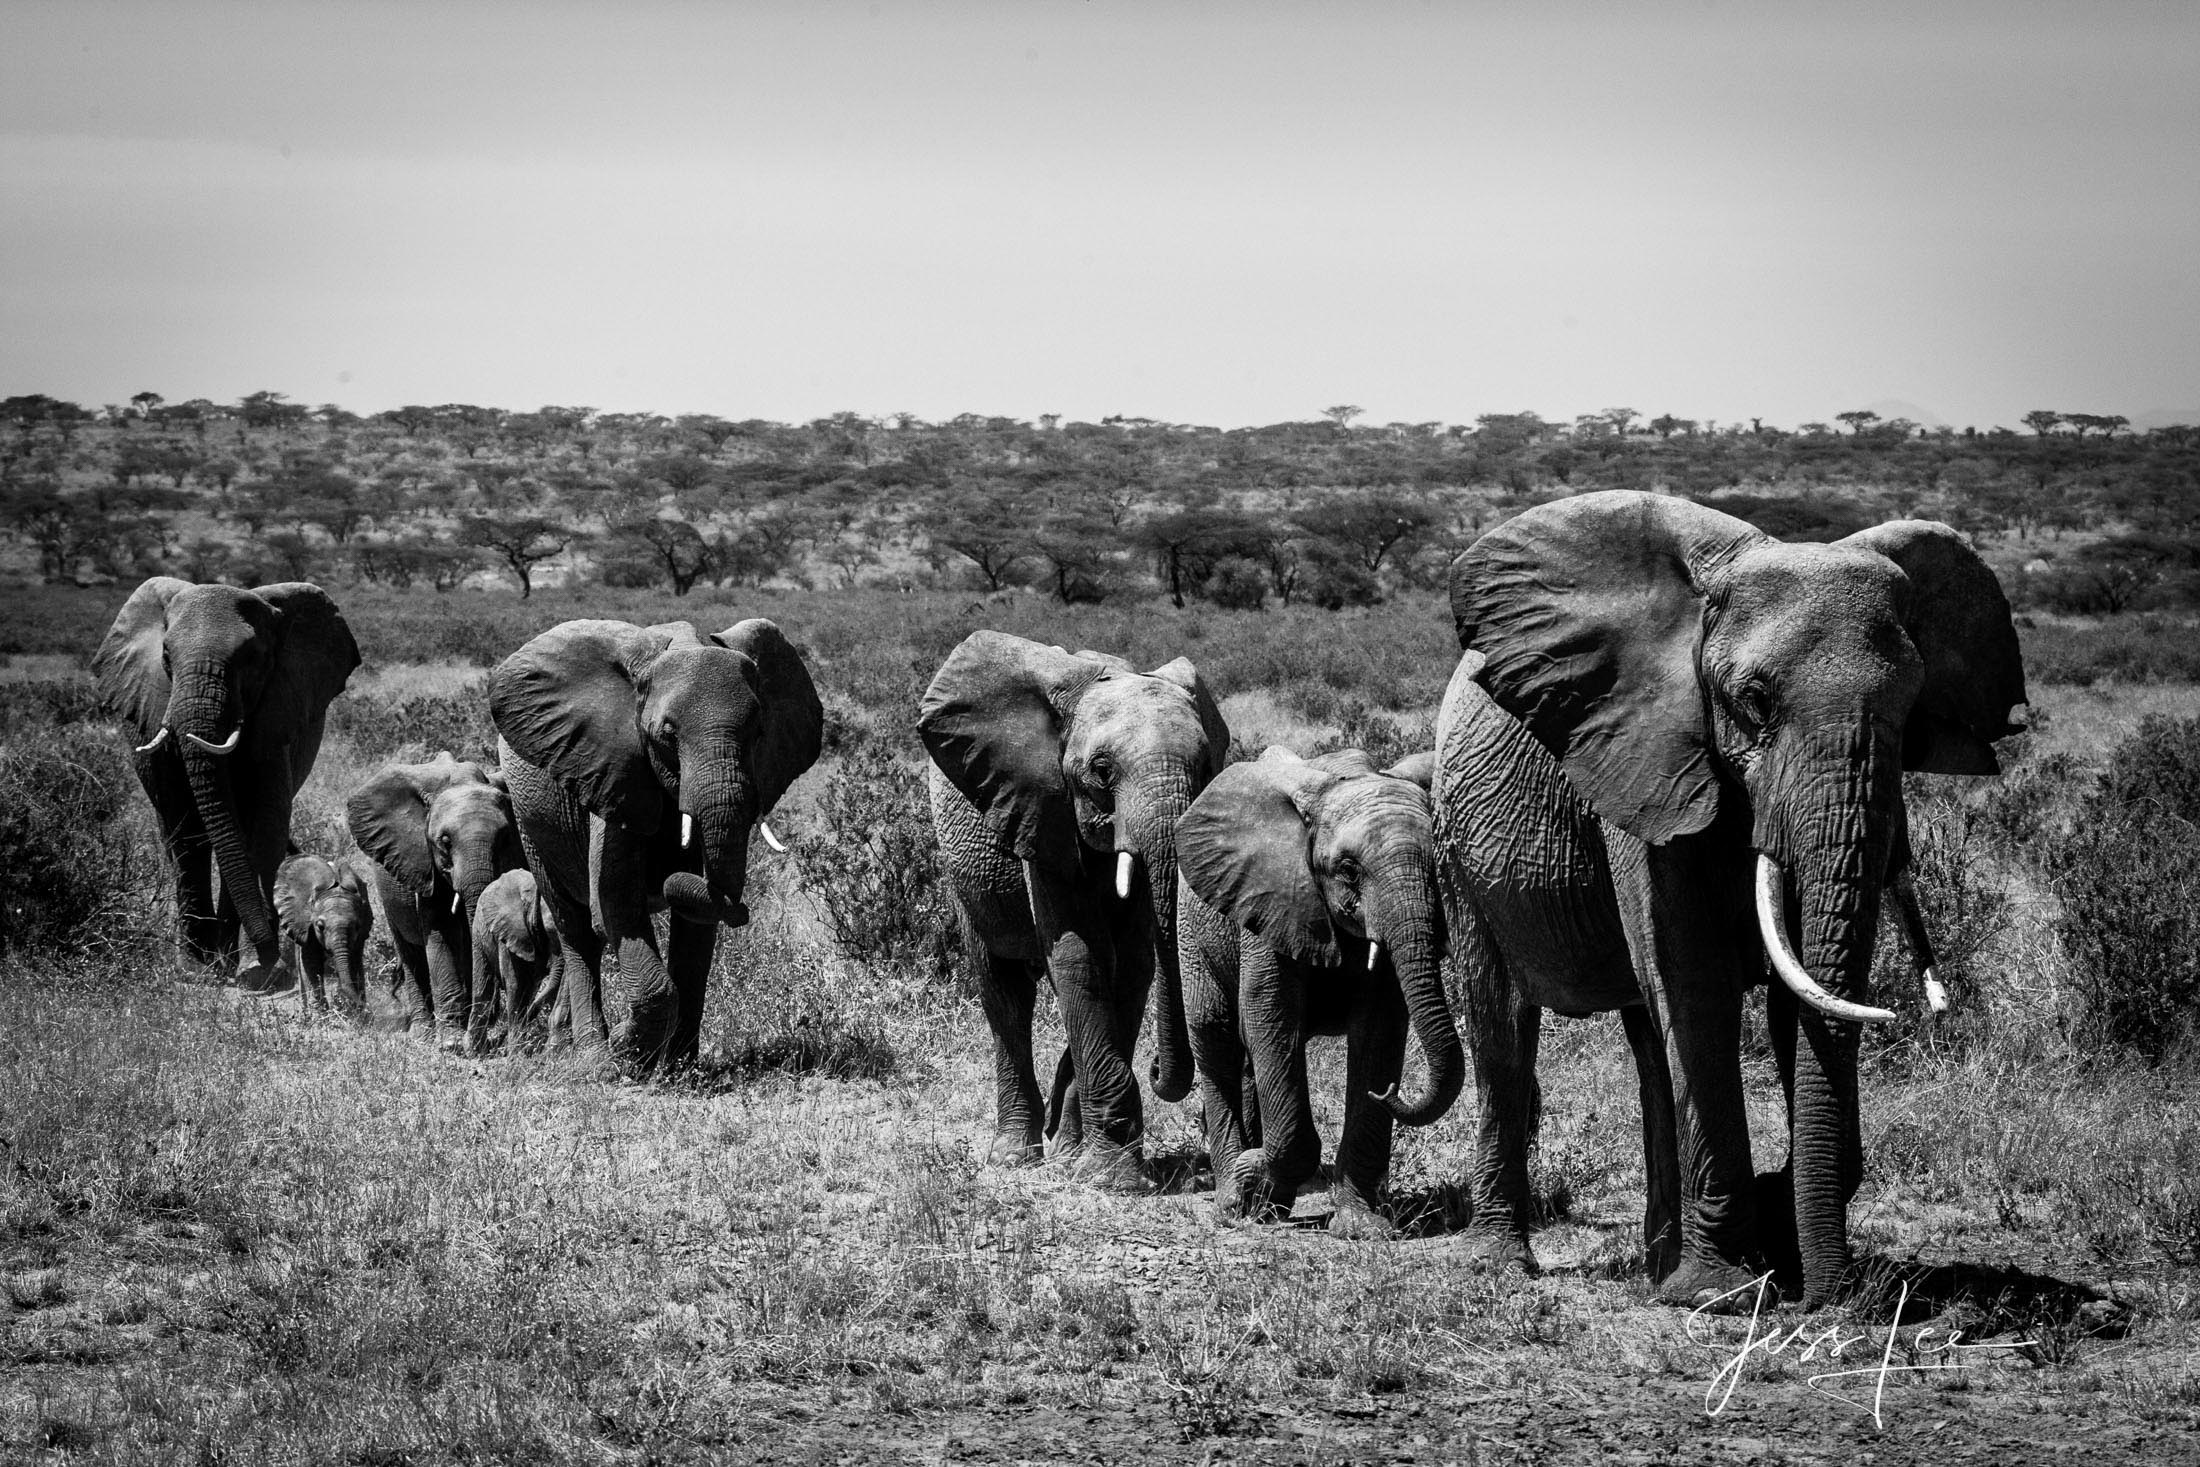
{"x":322,"y":910}
{"x":439,"y":833}
{"x":1307,"y":905}
{"x":516,"y":957}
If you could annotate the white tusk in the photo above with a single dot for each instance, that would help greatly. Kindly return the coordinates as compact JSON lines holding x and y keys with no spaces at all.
{"x":454,"y":903}
{"x":1935,"y":995}
{"x":1770,"y":927}
{"x":687,"y":830}
{"x":158,"y":739}
{"x":226,"y":746}
{"x":770,"y":839}
{"x":1123,"y":875}
{"x":1374,"y":956}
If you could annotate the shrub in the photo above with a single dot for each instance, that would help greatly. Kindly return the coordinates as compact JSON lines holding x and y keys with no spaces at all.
{"x":73,"y":867}
{"x":1962,"y":894}
{"x":425,"y":723}
{"x":872,"y":867}
{"x":2127,"y":872}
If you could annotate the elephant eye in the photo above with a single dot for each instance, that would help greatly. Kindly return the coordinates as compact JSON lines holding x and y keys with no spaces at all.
{"x":1101,"y":771}
{"x":668,"y":728}
{"x":1753,"y":705}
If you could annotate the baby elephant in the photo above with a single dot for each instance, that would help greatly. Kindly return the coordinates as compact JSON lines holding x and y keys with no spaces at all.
{"x":322,"y":910}
{"x":1307,"y":904}
{"x":516,"y":961}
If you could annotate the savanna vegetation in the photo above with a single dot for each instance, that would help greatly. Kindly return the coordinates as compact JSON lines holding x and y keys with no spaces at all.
{"x":229,"y":1233}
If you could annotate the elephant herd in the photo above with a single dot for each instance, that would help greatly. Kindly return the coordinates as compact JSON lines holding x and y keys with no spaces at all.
{"x":1668,"y":765}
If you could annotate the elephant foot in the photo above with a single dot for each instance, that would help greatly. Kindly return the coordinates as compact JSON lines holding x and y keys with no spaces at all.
{"x":1112,"y":1168}
{"x":1356,"y":1218}
{"x":1503,"y":1253}
{"x":1015,"y":1148}
{"x":1715,"y":1286}
{"x":257,"y":978}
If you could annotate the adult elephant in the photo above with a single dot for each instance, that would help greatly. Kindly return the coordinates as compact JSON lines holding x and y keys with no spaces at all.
{"x":1737,"y":714}
{"x":1058,"y":780}
{"x":438,"y":832}
{"x":1307,"y":905}
{"x":639,"y":759}
{"x":223,"y":691}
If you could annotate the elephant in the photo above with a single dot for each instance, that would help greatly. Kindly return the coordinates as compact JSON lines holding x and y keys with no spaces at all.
{"x":1057,"y":782}
{"x":1306,"y":904}
{"x":223,"y":691}
{"x":438,"y":833}
{"x":1671,"y":739}
{"x":516,"y":957}
{"x":322,"y":908}
{"x":607,"y":731}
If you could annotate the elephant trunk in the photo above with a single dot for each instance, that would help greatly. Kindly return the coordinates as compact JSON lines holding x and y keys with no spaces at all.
{"x":1151,"y":833}
{"x":1406,"y":925}
{"x":1839,"y":851}
{"x":345,"y":944}
{"x":198,"y":707}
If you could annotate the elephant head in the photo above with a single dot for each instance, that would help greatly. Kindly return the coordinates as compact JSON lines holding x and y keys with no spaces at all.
{"x":325,"y":903}
{"x":443,"y":828}
{"x":234,"y":683}
{"x":662,"y":729}
{"x":1068,"y":756}
{"x":1327,"y":859}
{"x":509,"y":921}
{"x":1685,"y":667}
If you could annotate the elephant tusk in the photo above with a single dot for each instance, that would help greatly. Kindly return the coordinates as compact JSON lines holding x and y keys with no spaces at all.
{"x":454,"y":903}
{"x":770,"y":839}
{"x":1921,"y":942}
{"x":1784,"y":961}
{"x":226,"y":746}
{"x":1123,"y":875}
{"x":1374,"y":955}
{"x":158,"y":739}
{"x":687,"y":830}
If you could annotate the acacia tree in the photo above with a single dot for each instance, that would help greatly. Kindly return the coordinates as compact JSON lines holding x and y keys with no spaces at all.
{"x":1858,"y":420}
{"x":674,"y":546}
{"x":1367,"y":530}
{"x":521,"y":541}
{"x":992,"y":532}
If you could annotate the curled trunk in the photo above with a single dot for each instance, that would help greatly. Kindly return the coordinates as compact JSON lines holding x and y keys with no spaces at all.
{"x":1408,"y":930}
{"x":1152,"y":834}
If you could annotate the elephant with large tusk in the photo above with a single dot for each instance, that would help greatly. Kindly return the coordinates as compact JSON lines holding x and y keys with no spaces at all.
{"x":1702,"y":732}
{"x":1307,"y":905}
{"x":222,"y":693}
{"x":639,"y":760}
{"x":1058,"y":780}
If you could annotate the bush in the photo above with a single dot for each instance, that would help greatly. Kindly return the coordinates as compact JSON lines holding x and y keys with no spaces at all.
{"x":419,"y":725}
{"x":872,"y":864}
{"x":2127,"y":873}
{"x":1962,"y":894}
{"x":73,"y":867}
{"x":2145,"y":649}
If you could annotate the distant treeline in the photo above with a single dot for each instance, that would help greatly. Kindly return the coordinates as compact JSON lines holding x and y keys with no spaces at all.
{"x":1334,"y":511}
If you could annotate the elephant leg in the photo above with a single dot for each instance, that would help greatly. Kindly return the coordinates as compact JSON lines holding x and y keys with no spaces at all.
{"x":263,"y":798}
{"x":1065,"y":1117}
{"x":310,"y":964}
{"x":1502,"y":1030}
{"x":692,"y":946}
{"x":1080,"y":946}
{"x":190,"y":859}
{"x":450,"y":953}
{"x":1273,"y":1010}
{"x":1661,"y":1213}
{"x":411,"y":986}
{"x":1690,"y":975}
{"x":1008,"y":993}
{"x":1219,"y":1055}
{"x":1375,"y":1058}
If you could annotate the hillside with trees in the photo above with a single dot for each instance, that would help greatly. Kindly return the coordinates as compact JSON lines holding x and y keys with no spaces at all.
{"x":2081,"y":513}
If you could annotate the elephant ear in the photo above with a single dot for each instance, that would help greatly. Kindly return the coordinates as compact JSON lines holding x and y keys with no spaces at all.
{"x":297,"y":881}
{"x":1960,"y":624}
{"x":992,"y":721}
{"x":1589,"y":612}
{"x":1344,"y":763}
{"x":567,"y":702}
{"x":793,"y":729}
{"x":1186,"y":676}
{"x":315,"y":657}
{"x":388,"y":816}
{"x":129,"y":667}
{"x":1242,"y":846}
{"x":1418,"y":768}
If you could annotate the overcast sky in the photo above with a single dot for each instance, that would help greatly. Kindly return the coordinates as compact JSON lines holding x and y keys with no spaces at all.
{"x":1198,"y":212}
